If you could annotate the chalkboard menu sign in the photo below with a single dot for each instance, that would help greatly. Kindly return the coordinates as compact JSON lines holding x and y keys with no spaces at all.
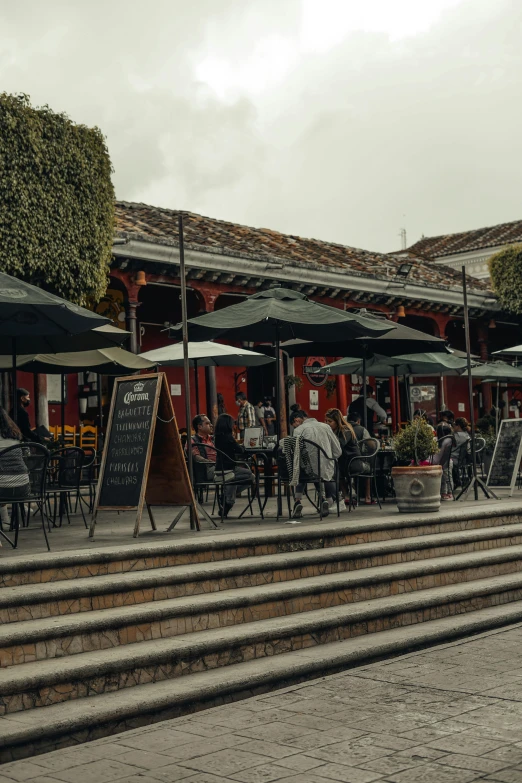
{"x":506,"y":457}
{"x":128,"y":443}
{"x":143,"y":460}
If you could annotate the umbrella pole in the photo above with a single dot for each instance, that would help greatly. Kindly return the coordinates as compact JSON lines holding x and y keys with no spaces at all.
{"x":397,"y":408}
{"x":13,"y":383}
{"x":194,"y":522}
{"x":62,"y":413}
{"x":365,"y":411}
{"x":475,"y":481}
{"x":196,"y":384}
{"x":279,"y":401}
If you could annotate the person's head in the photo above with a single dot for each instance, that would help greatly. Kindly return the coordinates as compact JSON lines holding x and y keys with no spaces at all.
{"x":354,"y":417}
{"x":445,"y":429}
{"x":23,"y":397}
{"x":297,"y":417}
{"x":334,"y":419}
{"x":267,"y":402}
{"x":241,"y":399}
{"x":259,"y":404}
{"x":8,"y":428}
{"x":225,"y":425}
{"x":460,"y":424}
{"x":369,"y":390}
{"x":202,"y":425}
{"x":447,"y":416}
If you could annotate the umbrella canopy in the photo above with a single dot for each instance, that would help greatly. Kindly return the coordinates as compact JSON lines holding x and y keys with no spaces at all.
{"x":207,"y":354}
{"x":516,"y":350}
{"x":497,"y":371}
{"x":409,"y":364}
{"x":105,"y":361}
{"x":400,"y":340}
{"x":31,"y":320}
{"x":100,"y":337}
{"x":281,"y":314}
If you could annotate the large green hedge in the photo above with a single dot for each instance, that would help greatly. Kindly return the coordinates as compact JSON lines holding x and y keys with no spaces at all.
{"x":505,"y":268}
{"x":56,"y":201}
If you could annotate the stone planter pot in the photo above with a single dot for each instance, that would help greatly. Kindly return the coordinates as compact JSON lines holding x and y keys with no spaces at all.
{"x":417,"y":488}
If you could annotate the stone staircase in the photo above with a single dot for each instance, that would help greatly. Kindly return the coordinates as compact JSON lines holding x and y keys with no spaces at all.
{"x":95,"y":642}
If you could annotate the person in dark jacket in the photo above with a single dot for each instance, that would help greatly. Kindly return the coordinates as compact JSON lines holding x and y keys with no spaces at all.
{"x":228,"y":453}
{"x":23,"y":400}
{"x":350,"y":448}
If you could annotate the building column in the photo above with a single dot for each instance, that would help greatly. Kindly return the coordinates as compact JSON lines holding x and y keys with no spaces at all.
{"x":342,"y":394}
{"x":442,"y":321}
{"x":42,"y":404}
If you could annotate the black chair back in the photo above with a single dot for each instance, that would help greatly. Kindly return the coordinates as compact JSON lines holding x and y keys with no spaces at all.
{"x":69,"y":463}
{"x":36,"y":458}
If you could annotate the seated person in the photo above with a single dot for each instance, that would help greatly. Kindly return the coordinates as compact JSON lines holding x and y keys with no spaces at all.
{"x":350,"y":449}
{"x":446,"y":417}
{"x":203,"y":451}
{"x":355,"y":418}
{"x":229,"y":451}
{"x":443,"y":457}
{"x":458,"y":453}
{"x":310,"y":429}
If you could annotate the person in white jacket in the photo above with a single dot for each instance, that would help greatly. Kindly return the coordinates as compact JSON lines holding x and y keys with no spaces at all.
{"x":316,"y":431}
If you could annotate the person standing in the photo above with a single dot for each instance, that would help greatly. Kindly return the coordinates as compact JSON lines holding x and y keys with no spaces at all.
{"x":269,"y":417}
{"x":373,"y":407}
{"x":246,"y":416}
{"x":23,"y":400}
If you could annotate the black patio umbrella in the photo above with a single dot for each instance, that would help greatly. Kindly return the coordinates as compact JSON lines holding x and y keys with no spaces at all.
{"x":279,"y":314}
{"x":35,"y":321}
{"x":402,"y":340}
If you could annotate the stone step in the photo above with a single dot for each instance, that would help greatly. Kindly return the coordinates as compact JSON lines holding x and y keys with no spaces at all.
{"x":57,"y":637}
{"x":222,"y":545}
{"x":35,"y":685}
{"x":70,"y":596}
{"x":41,"y":730}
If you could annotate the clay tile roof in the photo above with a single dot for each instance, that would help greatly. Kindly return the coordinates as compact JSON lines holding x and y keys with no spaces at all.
{"x":467,"y":241}
{"x":158,"y":225}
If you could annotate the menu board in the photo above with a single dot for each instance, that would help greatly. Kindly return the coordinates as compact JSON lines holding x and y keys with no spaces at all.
{"x":128,"y":443}
{"x":506,"y":457}
{"x":143,"y":460}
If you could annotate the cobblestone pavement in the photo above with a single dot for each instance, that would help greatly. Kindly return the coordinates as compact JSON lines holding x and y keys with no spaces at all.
{"x":450,"y":714}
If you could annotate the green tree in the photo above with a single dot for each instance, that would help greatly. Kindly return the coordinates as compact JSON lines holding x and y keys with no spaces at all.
{"x":56,"y":201}
{"x":505,"y":268}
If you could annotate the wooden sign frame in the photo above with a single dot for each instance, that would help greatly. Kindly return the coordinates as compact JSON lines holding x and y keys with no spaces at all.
{"x":513,"y":482}
{"x":168,"y":483}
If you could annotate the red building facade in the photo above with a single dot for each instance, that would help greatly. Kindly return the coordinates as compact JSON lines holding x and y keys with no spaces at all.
{"x":226,"y":262}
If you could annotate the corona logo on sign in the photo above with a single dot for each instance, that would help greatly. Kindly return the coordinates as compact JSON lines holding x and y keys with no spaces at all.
{"x":311,"y":366}
{"x":137,"y":394}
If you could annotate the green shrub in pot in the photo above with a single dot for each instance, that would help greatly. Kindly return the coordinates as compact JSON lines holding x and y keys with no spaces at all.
{"x":415,"y":442}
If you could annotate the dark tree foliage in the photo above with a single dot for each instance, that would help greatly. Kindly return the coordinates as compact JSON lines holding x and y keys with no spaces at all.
{"x":56,"y":201}
{"x":505,"y":268}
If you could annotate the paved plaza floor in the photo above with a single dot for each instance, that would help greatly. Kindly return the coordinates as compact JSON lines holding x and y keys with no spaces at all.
{"x":450,"y":714}
{"x":115,"y":529}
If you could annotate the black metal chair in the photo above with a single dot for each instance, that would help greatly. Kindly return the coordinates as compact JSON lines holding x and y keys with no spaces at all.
{"x":224,"y":477}
{"x":33,"y":458}
{"x":65,"y":475}
{"x":316,"y":454}
{"x":384,"y":462}
{"x":365,"y":467}
{"x":88,"y":479}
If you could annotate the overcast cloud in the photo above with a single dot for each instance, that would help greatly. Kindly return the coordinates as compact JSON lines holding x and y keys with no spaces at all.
{"x":335,"y":119}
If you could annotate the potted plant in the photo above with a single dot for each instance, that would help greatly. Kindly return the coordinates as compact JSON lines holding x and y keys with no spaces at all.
{"x":416,"y":482}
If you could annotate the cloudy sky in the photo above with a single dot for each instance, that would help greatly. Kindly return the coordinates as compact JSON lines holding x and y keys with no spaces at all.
{"x":337,"y":119}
